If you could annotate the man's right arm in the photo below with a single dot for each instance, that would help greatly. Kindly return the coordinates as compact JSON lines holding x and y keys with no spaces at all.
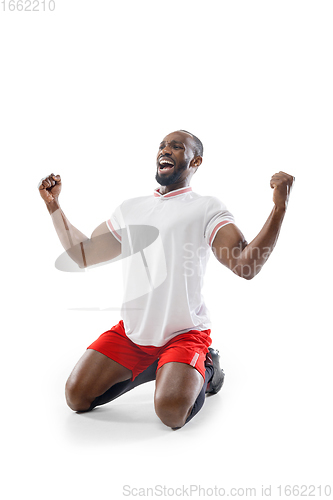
{"x":102,"y":246}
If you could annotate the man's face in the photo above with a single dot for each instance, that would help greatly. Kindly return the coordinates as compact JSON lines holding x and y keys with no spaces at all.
{"x":174,"y":158}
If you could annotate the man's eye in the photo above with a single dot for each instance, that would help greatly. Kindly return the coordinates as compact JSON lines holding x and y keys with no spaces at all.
{"x":176,"y":147}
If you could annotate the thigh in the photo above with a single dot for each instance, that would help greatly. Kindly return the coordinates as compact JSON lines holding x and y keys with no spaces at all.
{"x":95,"y":373}
{"x":177,"y":384}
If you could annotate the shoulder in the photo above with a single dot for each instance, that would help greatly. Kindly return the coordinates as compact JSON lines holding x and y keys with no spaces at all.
{"x":132,"y":202}
{"x":210,"y":202}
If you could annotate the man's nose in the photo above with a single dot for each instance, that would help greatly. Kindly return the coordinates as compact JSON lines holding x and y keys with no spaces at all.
{"x":166,"y":150}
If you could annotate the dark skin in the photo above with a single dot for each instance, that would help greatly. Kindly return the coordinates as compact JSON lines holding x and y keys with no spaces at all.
{"x":178,"y":148}
{"x":177,"y":384}
{"x":247,"y":259}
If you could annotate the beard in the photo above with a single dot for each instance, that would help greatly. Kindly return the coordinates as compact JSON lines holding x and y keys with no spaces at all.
{"x":173,"y":178}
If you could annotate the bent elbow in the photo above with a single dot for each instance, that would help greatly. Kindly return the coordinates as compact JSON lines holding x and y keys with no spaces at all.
{"x":246,"y":274}
{"x":247,"y":271}
{"x":250,"y":277}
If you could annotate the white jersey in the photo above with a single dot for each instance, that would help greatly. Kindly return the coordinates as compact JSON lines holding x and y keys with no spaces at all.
{"x":166,"y":242}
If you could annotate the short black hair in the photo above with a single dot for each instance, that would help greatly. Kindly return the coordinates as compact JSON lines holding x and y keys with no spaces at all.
{"x":197,"y":142}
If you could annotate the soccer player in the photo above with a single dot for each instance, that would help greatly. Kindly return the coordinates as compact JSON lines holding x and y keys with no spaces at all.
{"x":164,"y":240}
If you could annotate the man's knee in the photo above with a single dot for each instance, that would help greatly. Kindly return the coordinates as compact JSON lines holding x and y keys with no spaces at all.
{"x":172,"y":411}
{"x":75,"y":395}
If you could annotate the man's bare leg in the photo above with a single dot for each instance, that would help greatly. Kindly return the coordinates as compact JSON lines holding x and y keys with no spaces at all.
{"x":92,"y":376}
{"x":178,"y":385}
{"x":121,"y":388}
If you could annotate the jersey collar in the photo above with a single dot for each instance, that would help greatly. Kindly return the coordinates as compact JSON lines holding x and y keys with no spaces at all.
{"x":171,"y":194}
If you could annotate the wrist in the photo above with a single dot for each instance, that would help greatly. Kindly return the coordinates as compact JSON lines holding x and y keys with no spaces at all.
{"x":280,"y":210}
{"x":52,"y":206}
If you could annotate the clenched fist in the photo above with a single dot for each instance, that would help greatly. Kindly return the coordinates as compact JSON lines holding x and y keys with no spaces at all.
{"x":281,"y":183}
{"x":50,"y":187}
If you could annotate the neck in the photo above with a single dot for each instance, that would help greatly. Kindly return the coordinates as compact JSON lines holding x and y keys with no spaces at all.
{"x":172,"y":187}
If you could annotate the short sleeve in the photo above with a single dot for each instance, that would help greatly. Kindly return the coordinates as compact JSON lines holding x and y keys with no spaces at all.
{"x":217,"y":217}
{"x":115,"y":224}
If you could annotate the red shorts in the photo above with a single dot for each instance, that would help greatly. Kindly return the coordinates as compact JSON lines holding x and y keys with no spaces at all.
{"x":190,"y":348}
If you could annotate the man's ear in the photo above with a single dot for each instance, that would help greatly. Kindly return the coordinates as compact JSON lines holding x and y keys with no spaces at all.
{"x":196,"y":162}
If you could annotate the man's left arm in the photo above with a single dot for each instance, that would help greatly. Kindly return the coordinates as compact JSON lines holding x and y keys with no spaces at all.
{"x":246,"y":259}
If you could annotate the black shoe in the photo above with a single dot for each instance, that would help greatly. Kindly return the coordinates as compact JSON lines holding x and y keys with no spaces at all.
{"x":216,"y":382}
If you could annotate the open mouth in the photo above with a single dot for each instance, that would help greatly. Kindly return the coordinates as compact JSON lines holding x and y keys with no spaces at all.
{"x":165,"y":164}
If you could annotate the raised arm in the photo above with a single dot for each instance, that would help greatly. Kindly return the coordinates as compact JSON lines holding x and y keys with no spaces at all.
{"x":100,"y":247}
{"x":247,"y":259}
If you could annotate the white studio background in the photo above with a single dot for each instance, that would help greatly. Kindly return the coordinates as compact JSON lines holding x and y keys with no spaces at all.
{"x":88,"y":91}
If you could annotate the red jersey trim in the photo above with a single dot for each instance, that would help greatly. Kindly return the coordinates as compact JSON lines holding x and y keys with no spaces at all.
{"x":216,"y":228}
{"x":113,"y":231}
{"x":176,"y":192}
